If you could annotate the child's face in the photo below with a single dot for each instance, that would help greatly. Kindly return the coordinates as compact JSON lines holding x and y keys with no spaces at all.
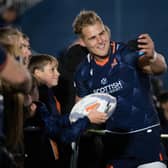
{"x":49,"y":75}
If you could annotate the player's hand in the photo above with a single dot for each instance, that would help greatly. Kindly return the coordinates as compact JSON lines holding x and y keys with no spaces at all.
{"x":97,"y":117}
{"x":146,"y":45}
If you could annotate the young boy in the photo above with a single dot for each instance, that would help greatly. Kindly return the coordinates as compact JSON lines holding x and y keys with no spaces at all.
{"x":58,"y":127}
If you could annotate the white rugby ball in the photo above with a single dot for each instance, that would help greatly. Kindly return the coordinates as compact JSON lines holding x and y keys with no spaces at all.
{"x":105,"y":103}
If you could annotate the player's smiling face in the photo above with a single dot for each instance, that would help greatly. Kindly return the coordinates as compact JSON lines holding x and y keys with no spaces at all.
{"x":96,"y":39}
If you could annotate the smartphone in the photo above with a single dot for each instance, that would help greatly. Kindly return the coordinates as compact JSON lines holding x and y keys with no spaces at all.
{"x":133,"y":44}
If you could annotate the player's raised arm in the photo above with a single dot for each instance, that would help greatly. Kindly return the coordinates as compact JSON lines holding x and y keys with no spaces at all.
{"x":152,"y":61}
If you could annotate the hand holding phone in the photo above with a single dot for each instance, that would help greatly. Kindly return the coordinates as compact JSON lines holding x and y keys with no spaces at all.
{"x":133,"y":45}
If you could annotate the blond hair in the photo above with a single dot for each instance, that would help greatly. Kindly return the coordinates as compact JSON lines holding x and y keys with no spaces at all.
{"x":83,"y":19}
{"x":13,"y":100}
{"x":9,"y":39}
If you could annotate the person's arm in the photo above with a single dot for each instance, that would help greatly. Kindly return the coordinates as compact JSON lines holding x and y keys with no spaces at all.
{"x":151,"y":62}
{"x":55,"y":126}
{"x":14,"y":73}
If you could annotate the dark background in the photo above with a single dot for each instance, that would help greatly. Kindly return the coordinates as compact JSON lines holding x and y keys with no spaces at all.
{"x":49,"y":24}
